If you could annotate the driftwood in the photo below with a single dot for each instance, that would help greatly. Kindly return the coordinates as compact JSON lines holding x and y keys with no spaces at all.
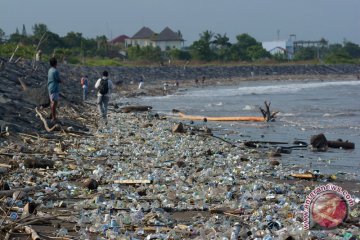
{"x":2,"y":66}
{"x":341,"y":144}
{"x":47,"y":128}
{"x":128,"y":109}
{"x":132,"y":181}
{"x":38,"y":163}
{"x":224,"y":140}
{"x":178,"y":128}
{"x":32,"y":232}
{"x":269,"y":116}
{"x":319,"y":142}
{"x":9,"y":193}
{"x":303,"y":175}
{"x":17,"y":47}
{"x":5,"y":165}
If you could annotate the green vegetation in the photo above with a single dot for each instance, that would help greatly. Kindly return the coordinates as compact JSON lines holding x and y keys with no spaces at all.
{"x":209,"y":49}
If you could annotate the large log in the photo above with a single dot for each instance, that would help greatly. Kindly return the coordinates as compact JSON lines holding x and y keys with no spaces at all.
{"x":38,"y":163}
{"x":320,"y":142}
{"x":341,"y":144}
{"x":128,"y":109}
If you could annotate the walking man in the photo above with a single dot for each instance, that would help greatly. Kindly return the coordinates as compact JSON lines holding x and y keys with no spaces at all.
{"x":85,"y":84}
{"x":104,"y":86}
{"x":53,"y":87}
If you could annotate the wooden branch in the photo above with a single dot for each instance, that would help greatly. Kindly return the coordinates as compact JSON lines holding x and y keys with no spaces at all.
{"x":302,"y":175}
{"x":45,"y":122}
{"x":5,"y":165}
{"x":266,"y":113}
{"x":32,"y":232}
{"x":9,"y":193}
{"x":34,"y":221}
{"x":37,"y":47}
{"x":132,"y":181}
{"x":267,"y":105}
{"x":224,"y":140}
{"x":37,"y":137}
{"x":17,"y":47}
{"x":272,"y":116}
{"x":23,"y":85}
{"x":128,"y":109}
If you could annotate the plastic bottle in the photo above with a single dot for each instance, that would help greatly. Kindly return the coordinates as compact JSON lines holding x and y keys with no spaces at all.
{"x":235,"y":231}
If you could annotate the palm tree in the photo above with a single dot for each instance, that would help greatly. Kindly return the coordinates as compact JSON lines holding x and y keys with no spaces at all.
{"x":221,"y":41}
{"x":207,"y":36}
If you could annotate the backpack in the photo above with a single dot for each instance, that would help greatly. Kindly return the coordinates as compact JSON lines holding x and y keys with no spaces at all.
{"x":103,"y":87}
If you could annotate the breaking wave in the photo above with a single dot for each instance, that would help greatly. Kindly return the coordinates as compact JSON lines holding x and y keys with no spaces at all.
{"x":268,"y":89}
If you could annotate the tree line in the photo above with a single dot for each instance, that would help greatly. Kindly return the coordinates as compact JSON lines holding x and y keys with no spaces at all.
{"x":208,"y":48}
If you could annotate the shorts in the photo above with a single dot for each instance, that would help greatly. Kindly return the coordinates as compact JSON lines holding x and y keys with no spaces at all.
{"x":54,"y":97}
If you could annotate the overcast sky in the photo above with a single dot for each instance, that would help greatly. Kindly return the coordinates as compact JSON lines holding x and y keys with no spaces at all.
{"x":335,"y":20}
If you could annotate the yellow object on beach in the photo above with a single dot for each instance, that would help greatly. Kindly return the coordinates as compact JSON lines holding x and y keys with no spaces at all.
{"x":201,"y":118}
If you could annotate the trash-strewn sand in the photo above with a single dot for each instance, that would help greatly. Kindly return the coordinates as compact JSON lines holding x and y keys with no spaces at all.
{"x":200,"y":186}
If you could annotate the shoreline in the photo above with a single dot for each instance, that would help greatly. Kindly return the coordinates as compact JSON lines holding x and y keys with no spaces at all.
{"x":156,"y":88}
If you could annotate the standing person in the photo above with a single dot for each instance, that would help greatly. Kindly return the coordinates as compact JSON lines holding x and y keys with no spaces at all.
{"x":141,"y":83}
{"x":203,"y":80}
{"x":85,"y":85}
{"x":165,"y":87}
{"x":104,"y":86}
{"x":53,"y":87}
{"x":38,"y":56}
{"x":196,"y":82}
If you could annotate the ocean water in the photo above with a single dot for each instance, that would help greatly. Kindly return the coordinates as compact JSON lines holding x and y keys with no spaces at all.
{"x":305,"y":108}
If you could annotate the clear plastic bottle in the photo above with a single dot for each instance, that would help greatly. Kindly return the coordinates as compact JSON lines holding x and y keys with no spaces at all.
{"x":235,"y":231}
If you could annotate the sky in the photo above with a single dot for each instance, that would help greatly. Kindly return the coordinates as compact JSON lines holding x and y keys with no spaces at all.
{"x":265,"y":20}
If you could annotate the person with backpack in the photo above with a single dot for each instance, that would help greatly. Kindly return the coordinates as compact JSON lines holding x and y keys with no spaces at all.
{"x":85,"y":84}
{"x":104,"y":86}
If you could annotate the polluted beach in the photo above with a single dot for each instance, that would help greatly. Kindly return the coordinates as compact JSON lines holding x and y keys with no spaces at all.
{"x":151,"y":174}
{"x":179,"y":122}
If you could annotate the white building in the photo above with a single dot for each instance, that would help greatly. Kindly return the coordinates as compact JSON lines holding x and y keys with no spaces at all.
{"x":280,"y":47}
{"x":165,"y":39}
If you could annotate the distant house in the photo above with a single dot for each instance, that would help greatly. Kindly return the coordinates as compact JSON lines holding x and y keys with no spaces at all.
{"x":285,"y":47}
{"x":167,"y":38}
{"x":120,"y":40}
